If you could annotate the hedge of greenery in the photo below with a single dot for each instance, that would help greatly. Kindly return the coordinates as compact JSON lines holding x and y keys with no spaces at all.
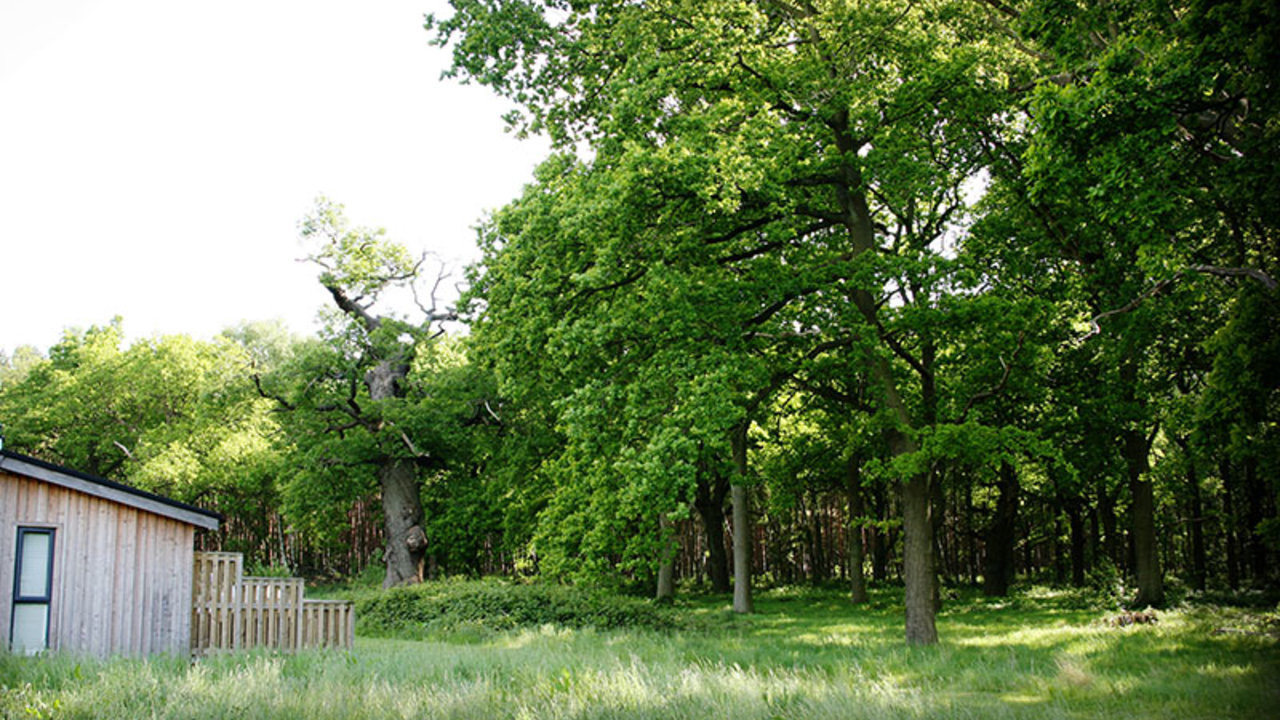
{"x":493,"y":605}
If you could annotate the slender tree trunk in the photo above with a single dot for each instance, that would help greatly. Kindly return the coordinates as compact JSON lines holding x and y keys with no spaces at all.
{"x":817,"y":551}
{"x":851,"y":195}
{"x":879,"y":538}
{"x":1146,"y":553}
{"x":667,"y":563}
{"x":1254,"y":512}
{"x":709,"y":502}
{"x":1229,"y":523}
{"x":1111,"y":535}
{"x":1196,"y":509}
{"x":853,"y":542}
{"x":937,"y":508}
{"x":1075,"y":520}
{"x":1002,"y":534}
{"x":742,"y":601}
{"x":1059,"y":562}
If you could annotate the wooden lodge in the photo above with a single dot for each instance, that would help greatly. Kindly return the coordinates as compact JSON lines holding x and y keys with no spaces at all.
{"x":96,"y":567}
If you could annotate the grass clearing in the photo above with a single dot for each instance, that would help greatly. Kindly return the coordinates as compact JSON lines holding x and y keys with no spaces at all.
{"x":805,"y":654}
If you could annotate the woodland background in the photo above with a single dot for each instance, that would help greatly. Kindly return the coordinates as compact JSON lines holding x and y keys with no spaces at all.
{"x":936,"y":293}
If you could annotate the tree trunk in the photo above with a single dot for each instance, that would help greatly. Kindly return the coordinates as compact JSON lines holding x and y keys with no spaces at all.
{"x":917,"y":561}
{"x":817,"y":550}
{"x":667,"y":563}
{"x":1254,"y":512}
{"x":1002,"y":534}
{"x":938,"y":514}
{"x":880,"y":539}
{"x":853,"y":542}
{"x":1111,"y":535}
{"x":742,"y":601}
{"x":406,"y":543}
{"x":851,"y":194}
{"x":1196,"y":509}
{"x":709,"y":502}
{"x":1076,"y":521}
{"x":1229,"y":523}
{"x":1146,"y":554}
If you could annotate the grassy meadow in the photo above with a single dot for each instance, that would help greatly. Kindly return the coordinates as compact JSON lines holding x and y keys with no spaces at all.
{"x":805,"y":654}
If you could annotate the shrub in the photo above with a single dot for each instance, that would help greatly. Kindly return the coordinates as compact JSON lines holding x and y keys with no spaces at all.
{"x":450,"y":606}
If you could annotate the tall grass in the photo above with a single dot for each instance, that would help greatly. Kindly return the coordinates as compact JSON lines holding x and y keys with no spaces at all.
{"x":806,"y":654}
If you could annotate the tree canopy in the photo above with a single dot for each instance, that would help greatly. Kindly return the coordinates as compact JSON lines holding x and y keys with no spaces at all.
{"x":931,"y":292}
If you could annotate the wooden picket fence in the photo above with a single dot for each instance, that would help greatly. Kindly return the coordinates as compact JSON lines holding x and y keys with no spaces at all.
{"x":231,"y":611}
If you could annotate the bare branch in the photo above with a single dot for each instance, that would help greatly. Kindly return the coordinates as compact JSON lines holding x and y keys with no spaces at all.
{"x":1096,"y":328}
{"x":409,"y":444}
{"x":1267,"y":281}
{"x":257,"y":382}
{"x":999,"y":386}
{"x":1229,"y":272}
{"x":491,"y":412}
{"x":353,"y":307}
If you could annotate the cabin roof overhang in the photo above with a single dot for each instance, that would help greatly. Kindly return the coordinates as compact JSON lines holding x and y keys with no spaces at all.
{"x":108,"y":490}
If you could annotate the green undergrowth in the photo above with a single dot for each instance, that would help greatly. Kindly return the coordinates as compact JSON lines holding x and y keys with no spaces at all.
{"x":805,"y":654}
{"x":454,"y":609}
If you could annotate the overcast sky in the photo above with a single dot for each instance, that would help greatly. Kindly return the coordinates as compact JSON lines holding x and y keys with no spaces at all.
{"x":156,"y":155}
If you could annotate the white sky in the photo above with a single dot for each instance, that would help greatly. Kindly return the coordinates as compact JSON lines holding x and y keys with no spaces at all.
{"x":156,"y":155}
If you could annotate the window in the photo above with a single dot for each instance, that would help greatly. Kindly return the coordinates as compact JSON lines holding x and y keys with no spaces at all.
{"x":32,"y":590}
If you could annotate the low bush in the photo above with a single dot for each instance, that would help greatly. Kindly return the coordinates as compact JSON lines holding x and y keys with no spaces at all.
{"x":448,"y":607}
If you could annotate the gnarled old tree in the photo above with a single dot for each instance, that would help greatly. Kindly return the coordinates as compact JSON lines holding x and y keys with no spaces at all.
{"x":350,"y":391}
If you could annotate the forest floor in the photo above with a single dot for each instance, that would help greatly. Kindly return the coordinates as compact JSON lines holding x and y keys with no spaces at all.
{"x":804,"y":654}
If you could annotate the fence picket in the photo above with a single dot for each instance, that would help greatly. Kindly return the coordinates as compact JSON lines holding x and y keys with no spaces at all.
{"x":232,"y":611}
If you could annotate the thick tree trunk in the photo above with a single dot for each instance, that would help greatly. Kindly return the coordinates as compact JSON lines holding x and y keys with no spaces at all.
{"x":406,"y":543}
{"x":853,"y":541}
{"x":742,"y":601}
{"x":709,"y":502}
{"x":917,"y":561}
{"x":1142,"y":510}
{"x":1002,"y":534}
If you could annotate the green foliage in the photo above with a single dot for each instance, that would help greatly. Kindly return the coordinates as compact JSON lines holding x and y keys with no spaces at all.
{"x":171,"y":414}
{"x":439,"y":609}
{"x":807,"y":654}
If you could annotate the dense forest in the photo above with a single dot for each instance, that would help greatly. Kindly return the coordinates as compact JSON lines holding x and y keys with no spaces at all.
{"x":934,"y":293}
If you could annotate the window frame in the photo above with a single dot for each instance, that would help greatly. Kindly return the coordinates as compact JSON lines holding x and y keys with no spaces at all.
{"x":19,"y":599}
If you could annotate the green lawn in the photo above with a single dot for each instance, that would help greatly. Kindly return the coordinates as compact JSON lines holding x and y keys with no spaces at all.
{"x":806,"y":654}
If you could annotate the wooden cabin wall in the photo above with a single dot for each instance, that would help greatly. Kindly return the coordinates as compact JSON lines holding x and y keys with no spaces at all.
{"x":121,"y":576}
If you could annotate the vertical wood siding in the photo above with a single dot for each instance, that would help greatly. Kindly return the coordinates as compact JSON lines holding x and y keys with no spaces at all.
{"x":121,"y":576}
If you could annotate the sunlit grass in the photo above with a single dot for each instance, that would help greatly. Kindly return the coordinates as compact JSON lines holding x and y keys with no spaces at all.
{"x":806,"y":654}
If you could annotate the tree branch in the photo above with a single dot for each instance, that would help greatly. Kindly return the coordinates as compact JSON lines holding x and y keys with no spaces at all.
{"x":1267,"y":281}
{"x":999,"y":386}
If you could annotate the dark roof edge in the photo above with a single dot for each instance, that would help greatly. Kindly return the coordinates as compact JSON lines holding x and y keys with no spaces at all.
{"x":113,"y":485}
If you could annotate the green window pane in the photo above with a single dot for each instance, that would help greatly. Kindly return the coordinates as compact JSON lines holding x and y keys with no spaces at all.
{"x":33,"y":582}
{"x":30,"y":627}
